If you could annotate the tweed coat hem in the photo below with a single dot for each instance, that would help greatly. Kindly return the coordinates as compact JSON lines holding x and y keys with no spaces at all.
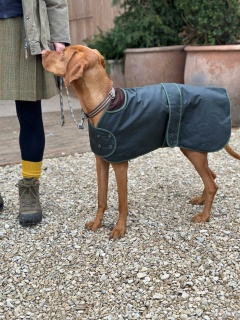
{"x":21,"y":78}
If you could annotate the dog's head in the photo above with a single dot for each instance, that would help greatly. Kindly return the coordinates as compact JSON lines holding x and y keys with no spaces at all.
{"x":72,"y":62}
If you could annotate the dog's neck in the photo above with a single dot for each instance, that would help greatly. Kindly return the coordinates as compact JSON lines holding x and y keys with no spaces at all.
{"x":91,"y":94}
{"x":102,"y":105}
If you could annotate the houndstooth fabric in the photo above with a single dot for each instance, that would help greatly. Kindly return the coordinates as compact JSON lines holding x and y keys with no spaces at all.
{"x":21,"y":78}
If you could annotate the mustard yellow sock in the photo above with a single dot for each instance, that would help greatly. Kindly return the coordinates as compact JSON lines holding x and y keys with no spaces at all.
{"x":31,"y":169}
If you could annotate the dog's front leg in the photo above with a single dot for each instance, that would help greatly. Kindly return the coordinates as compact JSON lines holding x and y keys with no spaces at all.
{"x":102,"y":178}
{"x":120,"y":170}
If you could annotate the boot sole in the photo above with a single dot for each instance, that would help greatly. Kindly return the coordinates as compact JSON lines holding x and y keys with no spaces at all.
{"x":30,"y":219}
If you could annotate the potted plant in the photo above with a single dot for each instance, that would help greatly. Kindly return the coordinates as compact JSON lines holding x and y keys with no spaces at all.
{"x":211,"y":32}
{"x":143,"y":34}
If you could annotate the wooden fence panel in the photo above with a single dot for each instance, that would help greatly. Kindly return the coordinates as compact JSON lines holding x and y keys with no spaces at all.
{"x":88,"y":16}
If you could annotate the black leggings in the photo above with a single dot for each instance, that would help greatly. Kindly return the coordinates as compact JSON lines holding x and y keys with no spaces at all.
{"x":32,"y":136}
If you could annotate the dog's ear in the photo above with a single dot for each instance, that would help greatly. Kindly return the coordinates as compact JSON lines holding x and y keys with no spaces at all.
{"x":75,"y":67}
{"x":100,"y":58}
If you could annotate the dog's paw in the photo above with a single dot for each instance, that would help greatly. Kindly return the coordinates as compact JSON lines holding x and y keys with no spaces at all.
{"x":201,"y":217}
{"x":117,"y":233}
{"x":92,"y":225}
{"x":198,"y":201}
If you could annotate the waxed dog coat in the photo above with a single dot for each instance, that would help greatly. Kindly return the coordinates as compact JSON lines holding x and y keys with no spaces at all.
{"x":163,"y":115}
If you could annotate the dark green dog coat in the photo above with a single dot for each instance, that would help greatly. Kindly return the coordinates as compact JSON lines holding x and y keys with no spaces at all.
{"x":162,"y":115}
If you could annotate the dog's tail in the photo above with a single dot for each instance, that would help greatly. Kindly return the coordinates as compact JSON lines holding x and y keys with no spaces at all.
{"x":232,"y":152}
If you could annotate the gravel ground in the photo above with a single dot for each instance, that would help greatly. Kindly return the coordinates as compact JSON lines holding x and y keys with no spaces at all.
{"x":165,"y":268}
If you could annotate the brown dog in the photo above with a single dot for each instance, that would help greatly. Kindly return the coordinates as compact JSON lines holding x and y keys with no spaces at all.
{"x":84,"y":68}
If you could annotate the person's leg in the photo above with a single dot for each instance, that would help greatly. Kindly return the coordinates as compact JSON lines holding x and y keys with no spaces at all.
{"x":32,"y":143}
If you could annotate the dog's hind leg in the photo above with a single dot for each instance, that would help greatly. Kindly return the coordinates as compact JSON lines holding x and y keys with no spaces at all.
{"x":102,"y":178}
{"x":201,"y":200}
{"x":200,"y":162}
{"x":120,"y":170}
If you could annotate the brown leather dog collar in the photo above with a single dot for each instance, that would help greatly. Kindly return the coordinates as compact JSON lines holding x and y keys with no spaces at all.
{"x":102,"y":105}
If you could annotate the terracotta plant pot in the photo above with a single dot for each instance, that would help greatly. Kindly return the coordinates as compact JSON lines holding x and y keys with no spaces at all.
{"x":154,"y":65}
{"x":116,"y":73}
{"x":217,"y":66}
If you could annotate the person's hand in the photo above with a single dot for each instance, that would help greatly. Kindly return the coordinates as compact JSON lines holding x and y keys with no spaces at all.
{"x":59,"y":46}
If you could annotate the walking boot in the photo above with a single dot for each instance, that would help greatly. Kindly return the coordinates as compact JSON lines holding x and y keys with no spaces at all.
{"x":30,"y":212}
{"x":1,"y":203}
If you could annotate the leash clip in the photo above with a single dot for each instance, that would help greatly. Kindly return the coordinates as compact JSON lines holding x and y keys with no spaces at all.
{"x":81,"y":124}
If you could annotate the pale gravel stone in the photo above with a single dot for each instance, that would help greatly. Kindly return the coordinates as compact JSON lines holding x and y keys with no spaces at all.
{"x":165,"y":268}
{"x":141,"y":275}
{"x":164,"y":276}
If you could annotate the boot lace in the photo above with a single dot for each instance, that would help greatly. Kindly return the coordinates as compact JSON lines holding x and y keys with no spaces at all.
{"x":28,"y":196}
